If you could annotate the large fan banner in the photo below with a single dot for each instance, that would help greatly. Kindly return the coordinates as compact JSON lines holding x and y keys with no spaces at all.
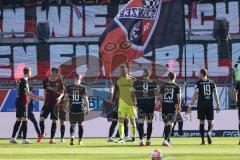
{"x":140,"y":27}
{"x":41,"y":57}
{"x":77,"y":47}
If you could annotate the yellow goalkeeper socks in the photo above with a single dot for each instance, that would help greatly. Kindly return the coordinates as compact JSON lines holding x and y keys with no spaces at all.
{"x":121,"y":130}
{"x":133,"y":126}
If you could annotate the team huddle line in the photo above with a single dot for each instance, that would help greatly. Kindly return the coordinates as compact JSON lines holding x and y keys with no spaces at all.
{"x":131,"y":99}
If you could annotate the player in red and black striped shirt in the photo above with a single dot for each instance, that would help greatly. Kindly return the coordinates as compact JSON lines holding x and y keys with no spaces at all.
{"x":54,"y":92}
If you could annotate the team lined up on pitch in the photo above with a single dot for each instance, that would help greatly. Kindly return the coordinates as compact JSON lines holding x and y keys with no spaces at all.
{"x":132,"y":100}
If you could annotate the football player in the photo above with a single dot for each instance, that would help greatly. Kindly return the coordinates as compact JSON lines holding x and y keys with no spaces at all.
{"x":170,"y":95}
{"x":236,"y":97}
{"x":205,"y":90}
{"x":76,"y":93}
{"x":54,"y":92}
{"x":146,"y":91}
{"x":22,"y":99}
{"x":108,"y":103}
{"x":61,"y":110}
{"x":123,"y":93}
{"x":31,"y":117}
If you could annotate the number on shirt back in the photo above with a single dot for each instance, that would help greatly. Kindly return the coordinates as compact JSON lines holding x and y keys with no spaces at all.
{"x":75,"y":95}
{"x":168,"y":95}
{"x":145,"y":88}
{"x":207,"y":90}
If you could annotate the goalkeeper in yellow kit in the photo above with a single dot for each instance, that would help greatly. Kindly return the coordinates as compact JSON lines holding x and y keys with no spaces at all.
{"x":123,"y":94}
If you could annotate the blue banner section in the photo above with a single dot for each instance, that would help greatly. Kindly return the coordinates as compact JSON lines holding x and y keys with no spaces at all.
{"x":8,"y":98}
{"x":96,"y":100}
{"x":8,"y":103}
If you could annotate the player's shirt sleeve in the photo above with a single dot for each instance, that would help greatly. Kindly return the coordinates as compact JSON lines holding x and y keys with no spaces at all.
{"x":137,"y":89}
{"x":178,"y":90}
{"x":116,"y":92}
{"x":156,"y":89}
{"x":213,"y":85}
{"x":85,"y":91}
{"x":45,"y":85}
{"x":25,"y":84}
{"x":133,"y":79}
{"x":155,"y":85}
{"x":66,"y":89}
{"x":162,"y":90}
{"x":135,"y":85}
{"x":61,"y":86}
{"x":196,"y":87}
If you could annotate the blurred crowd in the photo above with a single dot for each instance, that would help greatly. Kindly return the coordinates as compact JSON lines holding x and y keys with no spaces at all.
{"x":26,"y":3}
{"x":45,"y":3}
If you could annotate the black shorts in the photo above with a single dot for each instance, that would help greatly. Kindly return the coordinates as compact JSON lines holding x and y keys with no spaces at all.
{"x":169,"y":117}
{"x":115,"y":114}
{"x":76,"y":117}
{"x":112,"y":115}
{"x":204,"y":112}
{"x":145,"y":112}
{"x":21,"y":111}
{"x":52,"y":110}
{"x":168,"y":108}
{"x":146,"y":104}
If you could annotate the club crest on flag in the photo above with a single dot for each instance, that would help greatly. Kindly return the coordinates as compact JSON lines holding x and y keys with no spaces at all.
{"x":138,"y":21}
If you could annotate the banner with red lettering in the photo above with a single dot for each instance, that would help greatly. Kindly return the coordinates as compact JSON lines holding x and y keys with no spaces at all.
{"x":84,"y":58}
{"x":65,"y":22}
{"x":82,"y":55}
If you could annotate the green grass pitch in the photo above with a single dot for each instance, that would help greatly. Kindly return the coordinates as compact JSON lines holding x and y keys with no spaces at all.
{"x":99,"y":149}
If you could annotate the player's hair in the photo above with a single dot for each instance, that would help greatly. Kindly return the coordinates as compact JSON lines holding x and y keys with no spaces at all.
{"x":146,"y":72}
{"x":204,"y":72}
{"x":76,"y":75}
{"x":55,"y":70}
{"x":30,"y":88}
{"x":123,"y":66}
{"x":171,"y":75}
{"x":26,"y":70}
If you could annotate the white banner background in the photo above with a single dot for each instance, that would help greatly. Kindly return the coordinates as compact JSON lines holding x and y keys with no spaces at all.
{"x":99,"y":127}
